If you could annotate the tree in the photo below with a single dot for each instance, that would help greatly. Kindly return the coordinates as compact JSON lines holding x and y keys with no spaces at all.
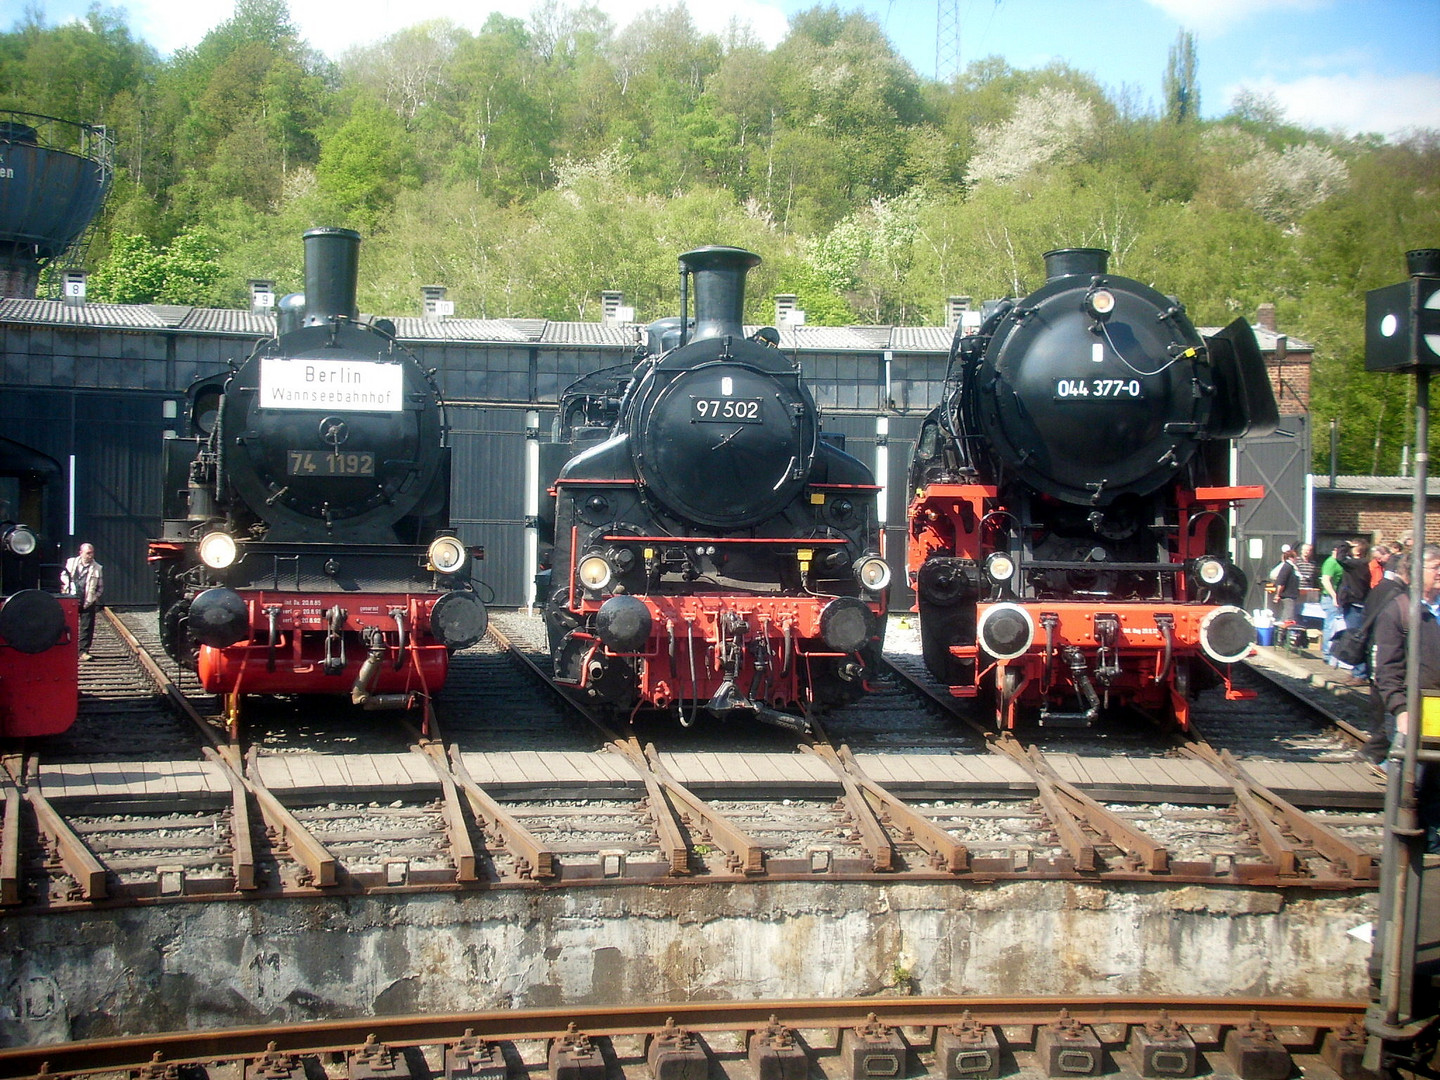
{"x":1047,"y":126}
{"x":365,"y":162}
{"x":1182,"y":82}
{"x":137,"y":272}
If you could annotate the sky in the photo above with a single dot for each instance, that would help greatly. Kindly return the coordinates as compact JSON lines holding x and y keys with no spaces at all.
{"x":1340,"y":65}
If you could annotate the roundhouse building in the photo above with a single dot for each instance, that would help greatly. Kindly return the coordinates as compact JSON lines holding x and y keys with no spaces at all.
{"x":100,"y":386}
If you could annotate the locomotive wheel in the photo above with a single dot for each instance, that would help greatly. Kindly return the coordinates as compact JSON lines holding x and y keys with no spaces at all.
{"x":175,"y":635}
{"x":939,"y":629}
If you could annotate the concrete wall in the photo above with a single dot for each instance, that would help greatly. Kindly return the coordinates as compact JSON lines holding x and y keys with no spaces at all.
{"x":211,"y":964}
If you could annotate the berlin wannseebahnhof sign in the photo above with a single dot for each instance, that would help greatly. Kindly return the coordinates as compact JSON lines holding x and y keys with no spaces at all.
{"x":356,"y":385}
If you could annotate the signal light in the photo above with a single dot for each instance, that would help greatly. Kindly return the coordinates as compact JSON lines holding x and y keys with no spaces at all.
{"x":1402,"y":322}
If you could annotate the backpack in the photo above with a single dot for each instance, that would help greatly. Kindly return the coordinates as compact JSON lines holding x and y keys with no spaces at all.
{"x":1351,"y":647}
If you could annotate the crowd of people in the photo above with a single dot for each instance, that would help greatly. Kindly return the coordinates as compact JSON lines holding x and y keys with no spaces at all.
{"x":1363,"y":591}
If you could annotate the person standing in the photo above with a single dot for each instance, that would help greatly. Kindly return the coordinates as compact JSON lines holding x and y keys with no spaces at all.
{"x":1305,"y":567}
{"x":1287,"y":587}
{"x":84,"y":578}
{"x":1331,"y":574}
{"x":1354,"y":588}
{"x":1392,"y":641}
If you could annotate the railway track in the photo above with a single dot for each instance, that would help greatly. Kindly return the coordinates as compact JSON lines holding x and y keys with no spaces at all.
{"x":870,"y":1039}
{"x":524,"y":788}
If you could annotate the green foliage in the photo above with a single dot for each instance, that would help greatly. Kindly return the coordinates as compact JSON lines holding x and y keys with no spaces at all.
{"x":541,"y":159}
{"x":137,"y":272}
{"x":1182,"y":81}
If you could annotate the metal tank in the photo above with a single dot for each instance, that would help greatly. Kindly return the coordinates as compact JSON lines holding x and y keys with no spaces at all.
{"x":54,"y":175}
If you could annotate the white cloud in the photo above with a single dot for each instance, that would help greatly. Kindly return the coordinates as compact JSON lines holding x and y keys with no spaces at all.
{"x":332,"y":26}
{"x":1355,"y":104}
{"x":1211,"y":17}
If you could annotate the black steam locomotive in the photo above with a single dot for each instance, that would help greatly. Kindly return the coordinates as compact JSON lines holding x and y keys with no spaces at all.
{"x":711,"y":550}
{"x":306,"y":545}
{"x":1068,"y":541}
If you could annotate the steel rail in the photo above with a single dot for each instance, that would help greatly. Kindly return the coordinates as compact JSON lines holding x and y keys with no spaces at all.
{"x":609,"y":734}
{"x":532,"y":858}
{"x":946,"y":853}
{"x":743,"y":854}
{"x":1346,"y":729}
{"x":304,"y":847}
{"x":185,"y":1047}
{"x":674,"y":842}
{"x":10,"y":842}
{"x":166,"y":685}
{"x":462,"y":847}
{"x":221,"y":751}
{"x":874,"y":837}
{"x":1148,"y":853}
{"x":75,"y":856}
{"x":1356,"y":862}
{"x":1066,"y":805}
{"x":1067,"y":824}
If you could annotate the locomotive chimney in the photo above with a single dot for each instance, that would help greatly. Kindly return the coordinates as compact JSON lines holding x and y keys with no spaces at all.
{"x":332,"y":262}
{"x":1075,"y":262}
{"x":719,"y":281}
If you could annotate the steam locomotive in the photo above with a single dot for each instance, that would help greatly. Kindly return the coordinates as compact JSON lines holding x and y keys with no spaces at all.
{"x":306,"y":546}
{"x":39,"y":660}
{"x":1067,"y":532}
{"x":712,"y":551}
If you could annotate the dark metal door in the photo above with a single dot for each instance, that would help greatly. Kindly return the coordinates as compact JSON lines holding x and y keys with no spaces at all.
{"x":1280,"y":462}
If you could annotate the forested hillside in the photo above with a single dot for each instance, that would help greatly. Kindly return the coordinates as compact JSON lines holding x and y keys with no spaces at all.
{"x":532,"y":164}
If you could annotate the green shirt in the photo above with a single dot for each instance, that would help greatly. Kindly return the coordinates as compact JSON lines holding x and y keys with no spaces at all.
{"x":1332,"y":570}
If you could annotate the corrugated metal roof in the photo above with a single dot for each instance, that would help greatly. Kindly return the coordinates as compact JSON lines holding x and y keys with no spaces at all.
{"x":415,"y":329}
{"x":922,"y":339}
{"x":57,"y":313}
{"x":1372,"y":485}
{"x":588,"y":333}
{"x":229,"y":321}
{"x":878,"y":336}
{"x":826,"y":338}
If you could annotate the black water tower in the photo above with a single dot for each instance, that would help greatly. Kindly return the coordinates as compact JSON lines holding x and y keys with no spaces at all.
{"x":53,"y":178}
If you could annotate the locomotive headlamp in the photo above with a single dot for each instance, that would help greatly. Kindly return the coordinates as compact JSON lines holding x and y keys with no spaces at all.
{"x":1210,"y":571}
{"x":1226,"y":634}
{"x":594,"y":572}
{"x":20,"y":540}
{"x":1005,"y":631}
{"x":1000,"y":567}
{"x":217,"y":550}
{"x":1100,"y":302}
{"x":873,"y":573}
{"x":446,"y":554}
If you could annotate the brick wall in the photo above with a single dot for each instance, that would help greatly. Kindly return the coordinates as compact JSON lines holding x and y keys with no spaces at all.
{"x":1341,"y":514}
{"x":1290,"y":379}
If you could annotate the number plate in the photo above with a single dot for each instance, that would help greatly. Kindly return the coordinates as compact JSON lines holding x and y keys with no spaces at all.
{"x":319,"y":463}
{"x":1099,"y":390}
{"x":724,"y":410}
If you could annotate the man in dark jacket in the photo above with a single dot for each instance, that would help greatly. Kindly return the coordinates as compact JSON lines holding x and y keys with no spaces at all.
{"x":1391,"y":642}
{"x":1393,"y":586}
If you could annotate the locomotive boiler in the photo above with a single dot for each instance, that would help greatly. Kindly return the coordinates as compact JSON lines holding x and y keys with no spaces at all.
{"x":1068,"y":533}
{"x":712,"y":551}
{"x":306,"y":545}
{"x":39,"y":659}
